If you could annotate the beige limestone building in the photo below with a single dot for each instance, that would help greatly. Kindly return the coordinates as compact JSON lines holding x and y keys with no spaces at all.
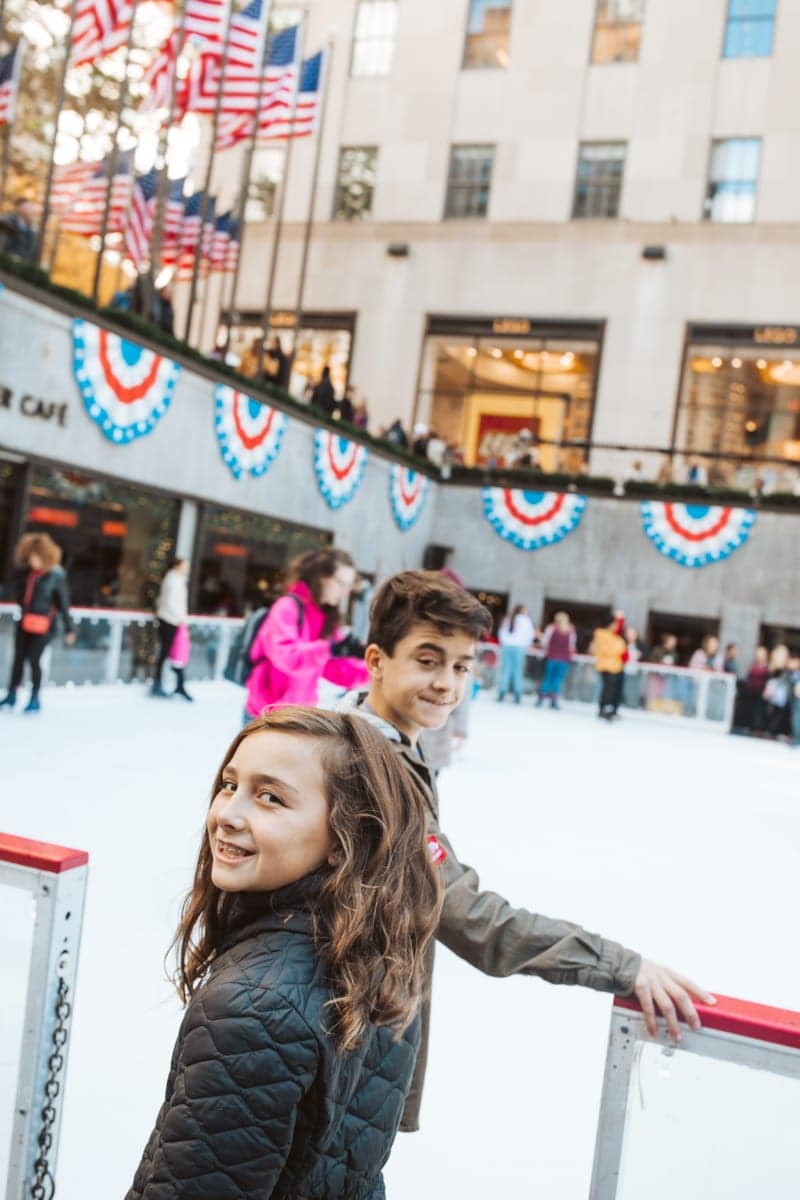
{"x":577,"y":216}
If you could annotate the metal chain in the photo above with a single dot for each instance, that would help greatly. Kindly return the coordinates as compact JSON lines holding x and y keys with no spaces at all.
{"x":43,"y":1186}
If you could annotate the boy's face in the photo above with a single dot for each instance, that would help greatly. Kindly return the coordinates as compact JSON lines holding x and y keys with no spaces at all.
{"x":419,"y":685}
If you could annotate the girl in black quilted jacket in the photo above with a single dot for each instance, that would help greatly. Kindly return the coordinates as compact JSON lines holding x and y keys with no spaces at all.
{"x":300,"y":960}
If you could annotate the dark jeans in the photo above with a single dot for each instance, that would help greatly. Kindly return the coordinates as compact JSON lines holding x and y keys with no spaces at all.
{"x":555,"y":672}
{"x":28,"y":647}
{"x":610,"y":691}
{"x":166,"y":636}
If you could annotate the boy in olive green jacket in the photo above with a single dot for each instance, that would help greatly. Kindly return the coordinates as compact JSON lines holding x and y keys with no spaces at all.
{"x":422,"y":642}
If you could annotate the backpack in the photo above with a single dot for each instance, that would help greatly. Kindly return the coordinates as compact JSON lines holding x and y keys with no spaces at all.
{"x":239,"y":666}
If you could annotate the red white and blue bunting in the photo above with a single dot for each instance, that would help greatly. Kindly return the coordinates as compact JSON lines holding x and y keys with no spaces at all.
{"x":530,"y":520}
{"x":695,"y":535}
{"x":407,"y":493}
{"x":249,"y":432}
{"x":339,"y":465}
{"x":126,"y":389}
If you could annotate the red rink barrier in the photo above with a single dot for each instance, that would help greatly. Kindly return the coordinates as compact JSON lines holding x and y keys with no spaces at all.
{"x":56,"y":877}
{"x":735,"y":1031}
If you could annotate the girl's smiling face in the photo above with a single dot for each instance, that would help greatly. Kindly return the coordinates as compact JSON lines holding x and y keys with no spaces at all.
{"x":268,"y":824}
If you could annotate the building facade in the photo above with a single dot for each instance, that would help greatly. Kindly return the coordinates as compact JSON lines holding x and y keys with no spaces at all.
{"x":580,"y":217}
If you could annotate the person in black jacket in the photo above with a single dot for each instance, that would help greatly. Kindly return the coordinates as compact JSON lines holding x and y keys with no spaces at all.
{"x":300,"y":960}
{"x":40,"y":589}
{"x":323,"y":397}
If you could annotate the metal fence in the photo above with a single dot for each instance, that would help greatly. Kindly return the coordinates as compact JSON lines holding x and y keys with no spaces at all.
{"x":670,"y":693}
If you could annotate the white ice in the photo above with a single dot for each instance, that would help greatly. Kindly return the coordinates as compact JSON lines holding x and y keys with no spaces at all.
{"x":680,"y":843}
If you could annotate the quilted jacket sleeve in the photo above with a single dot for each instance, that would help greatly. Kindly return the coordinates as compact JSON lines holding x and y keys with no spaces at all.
{"x":244,"y":1061}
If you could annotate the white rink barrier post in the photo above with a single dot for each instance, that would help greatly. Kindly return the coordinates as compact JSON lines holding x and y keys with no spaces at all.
{"x":56,"y":878}
{"x":734,"y":1031}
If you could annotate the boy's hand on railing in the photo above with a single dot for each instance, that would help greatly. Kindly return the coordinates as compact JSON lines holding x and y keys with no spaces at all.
{"x":661,"y":991}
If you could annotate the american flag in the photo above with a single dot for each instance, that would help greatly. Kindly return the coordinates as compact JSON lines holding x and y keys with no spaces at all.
{"x":208,"y":234}
{"x":158,"y":76}
{"x":280,"y":124}
{"x":232,"y":250}
{"x":100,"y":27}
{"x":86,"y":213}
{"x":139,"y":229}
{"x":242,"y":87}
{"x":246,"y":38}
{"x":219,"y":244}
{"x":173,"y":224}
{"x":204,"y":23}
{"x":190,"y":234}
{"x":9,"y":83}
{"x":68,"y":181}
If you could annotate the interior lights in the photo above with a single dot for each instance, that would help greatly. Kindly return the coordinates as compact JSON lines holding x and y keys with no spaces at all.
{"x":736,"y":362}
{"x":786,"y":364}
{"x":497,"y":353}
{"x":761,"y":363}
{"x":519,"y":354}
{"x":716,"y":361}
{"x":567,"y":359}
{"x":471,"y":352}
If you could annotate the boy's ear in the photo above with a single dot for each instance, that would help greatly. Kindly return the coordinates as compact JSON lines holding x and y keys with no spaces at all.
{"x":373,"y":660}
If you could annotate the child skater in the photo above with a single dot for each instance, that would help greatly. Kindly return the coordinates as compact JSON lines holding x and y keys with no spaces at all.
{"x":300,"y":961}
{"x":422,"y":638}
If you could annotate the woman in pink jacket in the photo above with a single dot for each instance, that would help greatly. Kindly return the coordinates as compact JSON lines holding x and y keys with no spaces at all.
{"x":300,"y":641}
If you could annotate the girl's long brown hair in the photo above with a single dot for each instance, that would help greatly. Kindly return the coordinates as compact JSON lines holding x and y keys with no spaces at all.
{"x":313,"y":568}
{"x":37,"y":543}
{"x":378,"y":907}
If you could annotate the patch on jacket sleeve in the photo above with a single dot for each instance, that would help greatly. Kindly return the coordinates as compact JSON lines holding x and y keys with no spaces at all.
{"x":437,"y":851}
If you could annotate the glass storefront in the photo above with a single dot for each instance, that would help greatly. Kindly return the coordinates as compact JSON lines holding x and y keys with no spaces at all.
{"x":241,"y":559}
{"x":324,"y":339}
{"x":9,"y":478}
{"x":740,"y":396}
{"x":116,"y":539}
{"x":482,"y":381}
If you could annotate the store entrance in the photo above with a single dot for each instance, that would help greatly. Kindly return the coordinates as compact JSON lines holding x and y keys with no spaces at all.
{"x":690,"y":632}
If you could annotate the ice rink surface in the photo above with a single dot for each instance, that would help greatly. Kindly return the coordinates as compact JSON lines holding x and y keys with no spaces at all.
{"x":680,"y":843}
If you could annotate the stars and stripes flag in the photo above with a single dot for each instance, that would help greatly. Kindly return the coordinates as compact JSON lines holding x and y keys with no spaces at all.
{"x":246,"y":37}
{"x":139,"y":229}
{"x":219,"y":244}
{"x":232,"y":249}
{"x":209,"y":225}
{"x":204,"y":24}
{"x":100,"y":27}
{"x":10,"y":65}
{"x":190,"y":234}
{"x":275,"y":121}
{"x":86,"y":212}
{"x":173,"y":224}
{"x":158,"y":77}
{"x":242,"y":87}
{"x":68,"y":180}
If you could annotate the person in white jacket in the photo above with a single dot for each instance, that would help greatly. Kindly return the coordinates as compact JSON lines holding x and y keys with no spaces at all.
{"x":516,"y":636}
{"x":172,"y":611}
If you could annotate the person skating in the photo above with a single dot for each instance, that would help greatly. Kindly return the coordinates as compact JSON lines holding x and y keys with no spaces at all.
{"x":516,"y":634}
{"x":300,"y":641}
{"x":609,"y":649}
{"x":40,"y":589}
{"x":172,"y":611}
{"x":421,"y":651}
{"x":558,"y":643}
{"x":300,"y":959}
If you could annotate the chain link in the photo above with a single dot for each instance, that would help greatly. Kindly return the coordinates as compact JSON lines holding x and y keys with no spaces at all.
{"x":43,"y":1186}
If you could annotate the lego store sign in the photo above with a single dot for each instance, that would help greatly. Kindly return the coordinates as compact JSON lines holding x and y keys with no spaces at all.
{"x":34,"y":407}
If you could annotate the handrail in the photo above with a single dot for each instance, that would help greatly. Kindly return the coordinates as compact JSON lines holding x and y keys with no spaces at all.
{"x":41,"y":856}
{"x":780,"y":1026}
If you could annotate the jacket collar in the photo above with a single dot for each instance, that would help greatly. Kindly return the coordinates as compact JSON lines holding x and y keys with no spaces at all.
{"x":286,"y":909}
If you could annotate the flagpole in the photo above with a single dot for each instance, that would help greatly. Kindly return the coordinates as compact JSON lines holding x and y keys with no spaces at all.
{"x":62,"y":91}
{"x":276,"y":240}
{"x":209,"y":170}
{"x":162,"y":156}
{"x":244,"y":189}
{"x":113,"y":157}
{"x":301,"y":287}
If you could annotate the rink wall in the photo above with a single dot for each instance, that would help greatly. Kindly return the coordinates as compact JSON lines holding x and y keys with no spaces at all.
{"x":43,"y":415}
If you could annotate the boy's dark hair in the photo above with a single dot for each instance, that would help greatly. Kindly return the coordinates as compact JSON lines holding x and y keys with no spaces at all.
{"x":411,"y":597}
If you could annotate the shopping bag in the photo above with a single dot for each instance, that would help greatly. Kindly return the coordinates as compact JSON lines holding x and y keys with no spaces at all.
{"x":181,"y":647}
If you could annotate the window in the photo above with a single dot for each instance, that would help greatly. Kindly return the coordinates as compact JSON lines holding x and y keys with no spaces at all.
{"x":469,"y":181}
{"x":479,"y":387}
{"x":739,"y":403}
{"x":748,"y":31}
{"x":265,"y":179}
{"x":488,"y":33}
{"x":599,"y":181}
{"x":355,"y":183}
{"x":373,"y":39}
{"x":732,"y":179}
{"x":617,"y":31}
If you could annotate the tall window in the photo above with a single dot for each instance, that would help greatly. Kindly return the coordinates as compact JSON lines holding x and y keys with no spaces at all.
{"x":748,"y":31}
{"x":599,"y":180}
{"x":355,"y":184}
{"x":488,"y":33}
{"x":732,"y":180}
{"x":374,"y":36}
{"x":469,"y":181}
{"x":265,"y":179}
{"x":617,"y":31}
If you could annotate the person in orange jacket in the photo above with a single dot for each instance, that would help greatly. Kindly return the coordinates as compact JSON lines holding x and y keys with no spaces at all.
{"x":610,"y":651}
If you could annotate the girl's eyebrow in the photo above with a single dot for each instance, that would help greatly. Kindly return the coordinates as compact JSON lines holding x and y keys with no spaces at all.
{"x":273,"y":780}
